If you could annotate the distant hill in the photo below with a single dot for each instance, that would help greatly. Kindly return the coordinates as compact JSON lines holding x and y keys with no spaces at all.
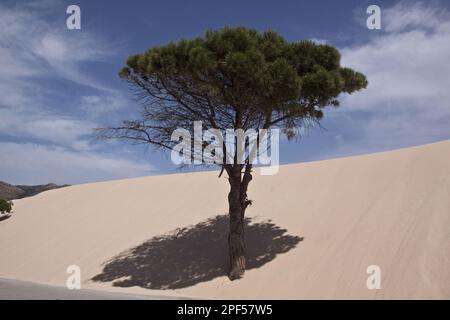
{"x":10,"y":192}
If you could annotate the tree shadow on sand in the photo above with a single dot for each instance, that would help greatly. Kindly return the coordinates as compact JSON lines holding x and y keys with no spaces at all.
{"x":193,"y":254}
{"x":4,"y":216}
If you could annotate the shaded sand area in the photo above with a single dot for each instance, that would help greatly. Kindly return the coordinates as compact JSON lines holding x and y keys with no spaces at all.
{"x":26,"y":290}
{"x":312,"y":231}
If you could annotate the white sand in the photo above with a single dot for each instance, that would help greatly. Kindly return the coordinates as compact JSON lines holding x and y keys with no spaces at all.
{"x":389,"y":209}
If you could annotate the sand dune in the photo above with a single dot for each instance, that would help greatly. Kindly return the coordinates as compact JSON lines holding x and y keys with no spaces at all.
{"x":313,"y":230}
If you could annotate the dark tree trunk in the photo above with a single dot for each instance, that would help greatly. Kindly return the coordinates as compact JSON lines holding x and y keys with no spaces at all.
{"x":236,"y":245}
{"x":238,"y":202}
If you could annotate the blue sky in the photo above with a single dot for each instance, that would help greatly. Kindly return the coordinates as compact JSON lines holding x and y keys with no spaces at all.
{"x":58,"y":84}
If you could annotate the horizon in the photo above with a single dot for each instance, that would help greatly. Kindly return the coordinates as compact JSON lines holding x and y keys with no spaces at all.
{"x":206,"y":168}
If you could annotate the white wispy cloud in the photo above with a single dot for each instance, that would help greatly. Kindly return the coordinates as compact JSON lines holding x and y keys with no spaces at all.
{"x":60,"y":165}
{"x":49,"y":141}
{"x":97,"y":105}
{"x":66,"y":132}
{"x":30,"y":50}
{"x":409,"y":14}
{"x":318,"y":41}
{"x":32,"y":46}
{"x":64,"y":52}
{"x":407,"y":100}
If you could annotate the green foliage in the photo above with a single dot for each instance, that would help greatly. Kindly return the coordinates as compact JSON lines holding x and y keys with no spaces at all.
{"x":262,"y":77}
{"x":5,"y":206}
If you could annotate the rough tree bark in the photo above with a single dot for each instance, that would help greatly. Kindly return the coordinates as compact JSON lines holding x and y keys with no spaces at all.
{"x":238,"y":202}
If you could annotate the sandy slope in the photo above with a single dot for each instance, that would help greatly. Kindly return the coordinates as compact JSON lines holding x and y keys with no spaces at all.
{"x":389,"y":209}
{"x":25,"y":290}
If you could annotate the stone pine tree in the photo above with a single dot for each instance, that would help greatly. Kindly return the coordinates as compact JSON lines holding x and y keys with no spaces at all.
{"x":233,"y":78}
